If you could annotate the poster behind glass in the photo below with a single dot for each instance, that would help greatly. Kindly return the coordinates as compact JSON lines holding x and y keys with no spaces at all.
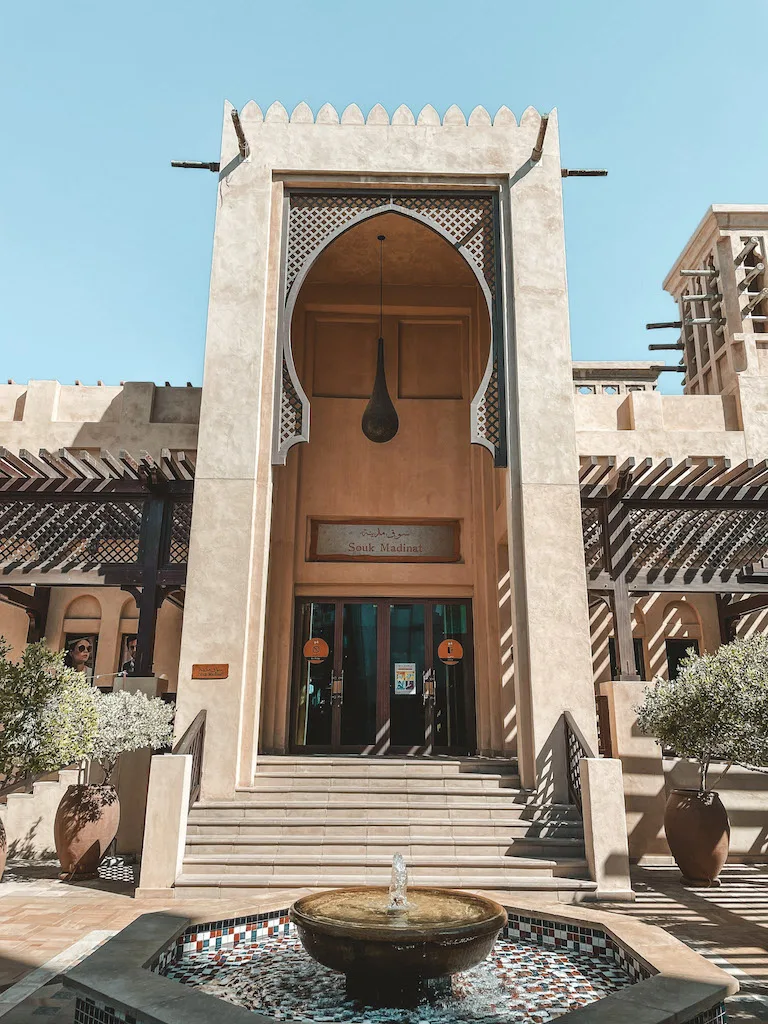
{"x":80,"y":652}
{"x":127,"y":654}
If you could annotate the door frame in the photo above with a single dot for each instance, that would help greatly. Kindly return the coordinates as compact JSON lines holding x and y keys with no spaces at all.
{"x":378,"y":748}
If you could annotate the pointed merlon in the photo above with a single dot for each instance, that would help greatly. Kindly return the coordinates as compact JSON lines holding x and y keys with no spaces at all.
{"x":352,"y":115}
{"x":302,"y":114}
{"x":454,"y":116}
{"x":327,"y":114}
{"x":428,"y":116}
{"x":251,"y":112}
{"x":504,"y":118}
{"x":531,"y":116}
{"x":377,"y":115}
{"x":403,"y":115}
{"x":277,"y":114}
{"x":479,"y":118}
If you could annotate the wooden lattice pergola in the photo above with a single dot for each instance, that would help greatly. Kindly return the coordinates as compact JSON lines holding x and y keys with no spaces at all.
{"x":90,"y":519}
{"x":697,"y":525}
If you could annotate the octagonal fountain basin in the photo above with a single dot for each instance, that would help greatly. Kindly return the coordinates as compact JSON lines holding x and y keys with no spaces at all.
{"x":391,"y":952}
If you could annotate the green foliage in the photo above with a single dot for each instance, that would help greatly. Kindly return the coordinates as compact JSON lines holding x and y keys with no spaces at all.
{"x":717,"y":708}
{"x":129,"y":721}
{"x":47,"y":712}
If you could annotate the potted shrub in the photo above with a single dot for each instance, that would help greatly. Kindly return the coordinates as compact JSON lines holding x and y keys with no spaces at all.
{"x":89,"y":814}
{"x":47,"y":714}
{"x":716,"y":709}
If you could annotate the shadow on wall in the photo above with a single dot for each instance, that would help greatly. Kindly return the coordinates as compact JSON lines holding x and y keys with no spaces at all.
{"x":29,"y":847}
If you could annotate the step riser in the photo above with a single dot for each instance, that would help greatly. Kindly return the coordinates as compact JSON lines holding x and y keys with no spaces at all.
{"x":374,"y":765}
{"x":408,"y":850}
{"x":340,"y":813}
{"x":329,"y":830}
{"x":253,"y":888}
{"x":350,"y":871}
{"x":390,"y":784}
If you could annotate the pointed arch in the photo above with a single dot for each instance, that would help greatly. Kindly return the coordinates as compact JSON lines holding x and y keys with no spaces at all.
{"x":312,"y":221}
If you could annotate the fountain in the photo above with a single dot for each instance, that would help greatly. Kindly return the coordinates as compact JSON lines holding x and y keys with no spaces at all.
{"x":400,"y":945}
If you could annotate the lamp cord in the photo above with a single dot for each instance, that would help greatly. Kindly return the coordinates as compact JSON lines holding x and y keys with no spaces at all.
{"x":381,"y":285}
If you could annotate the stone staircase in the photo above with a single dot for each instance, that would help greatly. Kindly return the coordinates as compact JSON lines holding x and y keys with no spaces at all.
{"x":332,"y":821}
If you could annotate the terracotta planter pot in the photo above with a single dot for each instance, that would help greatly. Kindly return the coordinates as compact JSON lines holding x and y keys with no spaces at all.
{"x":698,"y":833}
{"x":86,"y":823}
{"x":3,"y":850}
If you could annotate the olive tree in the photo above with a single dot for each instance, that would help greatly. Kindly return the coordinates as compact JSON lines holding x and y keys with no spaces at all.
{"x":47,"y":713}
{"x":716,"y":709}
{"x":128,"y":721}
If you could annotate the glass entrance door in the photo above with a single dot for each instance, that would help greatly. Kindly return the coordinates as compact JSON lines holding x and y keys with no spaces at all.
{"x":376,"y":677}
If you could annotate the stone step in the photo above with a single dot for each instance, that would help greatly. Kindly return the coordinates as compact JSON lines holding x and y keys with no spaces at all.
{"x":340,"y":765}
{"x":395,"y":828}
{"x":347,"y":805}
{"x":416,"y":846}
{"x":346,"y":864}
{"x":350,"y":795}
{"x":356,"y":781}
{"x":203,"y":886}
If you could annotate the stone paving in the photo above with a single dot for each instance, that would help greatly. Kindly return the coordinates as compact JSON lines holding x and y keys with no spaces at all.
{"x":44,"y":920}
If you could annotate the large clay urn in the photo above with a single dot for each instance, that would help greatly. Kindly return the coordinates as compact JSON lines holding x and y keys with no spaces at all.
{"x":698,"y":834}
{"x":86,"y":823}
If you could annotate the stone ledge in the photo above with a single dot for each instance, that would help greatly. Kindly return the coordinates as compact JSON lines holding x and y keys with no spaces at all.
{"x":684,"y":985}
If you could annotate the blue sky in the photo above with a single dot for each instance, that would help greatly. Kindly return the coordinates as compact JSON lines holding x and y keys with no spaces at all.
{"x":105,"y":251}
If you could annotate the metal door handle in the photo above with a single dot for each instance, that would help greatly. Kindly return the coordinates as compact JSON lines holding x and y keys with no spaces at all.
{"x":337,"y":689}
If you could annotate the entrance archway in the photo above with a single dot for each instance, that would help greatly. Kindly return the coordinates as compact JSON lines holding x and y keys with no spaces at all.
{"x":437,"y":339}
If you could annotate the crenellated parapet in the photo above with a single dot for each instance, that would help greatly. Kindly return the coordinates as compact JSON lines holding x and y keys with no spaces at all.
{"x":378,"y":116}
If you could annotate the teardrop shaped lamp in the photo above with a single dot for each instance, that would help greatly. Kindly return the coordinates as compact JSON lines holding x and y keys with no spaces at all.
{"x":380,"y":422}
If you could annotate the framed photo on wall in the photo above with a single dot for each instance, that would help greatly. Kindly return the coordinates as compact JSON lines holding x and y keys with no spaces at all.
{"x":80,"y":652}
{"x":127,"y":653}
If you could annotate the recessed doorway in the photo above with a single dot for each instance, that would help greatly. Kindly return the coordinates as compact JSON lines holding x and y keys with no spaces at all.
{"x":375,"y":676}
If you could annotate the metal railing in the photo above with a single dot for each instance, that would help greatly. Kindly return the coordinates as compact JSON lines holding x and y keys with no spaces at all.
{"x":193,"y":742}
{"x":602,"y":707}
{"x":576,"y":747}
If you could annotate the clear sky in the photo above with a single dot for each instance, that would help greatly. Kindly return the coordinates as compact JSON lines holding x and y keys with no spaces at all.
{"x":105,"y":251}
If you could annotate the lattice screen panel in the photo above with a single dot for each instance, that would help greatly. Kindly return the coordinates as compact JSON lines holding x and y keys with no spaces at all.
{"x":698,"y":539}
{"x":67,"y":535}
{"x":593,"y":538}
{"x":181,"y":522}
{"x":469,"y":221}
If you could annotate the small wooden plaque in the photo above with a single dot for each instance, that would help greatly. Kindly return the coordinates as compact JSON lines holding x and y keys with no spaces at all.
{"x":210,"y":671}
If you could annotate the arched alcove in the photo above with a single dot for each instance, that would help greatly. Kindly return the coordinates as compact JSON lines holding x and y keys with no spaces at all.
{"x":436,"y":329}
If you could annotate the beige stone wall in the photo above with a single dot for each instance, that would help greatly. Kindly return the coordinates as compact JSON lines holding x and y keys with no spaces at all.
{"x":656,"y":618}
{"x":14,"y":624}
{"x":225,"y":616}
{"x":136,"y":416}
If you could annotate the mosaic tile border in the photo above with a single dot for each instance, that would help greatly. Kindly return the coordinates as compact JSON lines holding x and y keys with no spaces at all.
{"x":275,"y":924}
{"x":92,"y":1011}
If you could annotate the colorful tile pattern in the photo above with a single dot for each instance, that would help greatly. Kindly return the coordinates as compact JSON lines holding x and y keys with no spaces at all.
{"x":539,"y":970}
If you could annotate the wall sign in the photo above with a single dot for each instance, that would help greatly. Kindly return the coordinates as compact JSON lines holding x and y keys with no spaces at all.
{"x":316,"y":650}
{"x":450,"y":652}
{"x":365,"y":540}
{"x":210,"y":671}
{"x":405,"y":678}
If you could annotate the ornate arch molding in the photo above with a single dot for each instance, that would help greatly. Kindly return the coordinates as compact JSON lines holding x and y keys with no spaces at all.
{"x":468,"y":221}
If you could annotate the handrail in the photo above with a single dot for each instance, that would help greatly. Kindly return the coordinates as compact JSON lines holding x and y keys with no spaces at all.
{"x":193,"y":742}
{"x":185,"y":743}
{"x":571,"y":723}
{"x":576,"y":749}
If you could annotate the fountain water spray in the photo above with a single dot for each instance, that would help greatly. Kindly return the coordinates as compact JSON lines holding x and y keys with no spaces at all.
{"x":398,"y":887}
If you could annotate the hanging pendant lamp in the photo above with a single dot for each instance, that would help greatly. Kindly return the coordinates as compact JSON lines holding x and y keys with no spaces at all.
{"x":380,"y":422}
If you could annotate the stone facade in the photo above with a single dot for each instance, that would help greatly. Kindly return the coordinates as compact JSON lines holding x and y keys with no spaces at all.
{"x":474,"y":321}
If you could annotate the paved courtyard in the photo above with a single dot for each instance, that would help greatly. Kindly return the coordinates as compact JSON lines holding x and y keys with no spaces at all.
{"x":47,"y":925}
